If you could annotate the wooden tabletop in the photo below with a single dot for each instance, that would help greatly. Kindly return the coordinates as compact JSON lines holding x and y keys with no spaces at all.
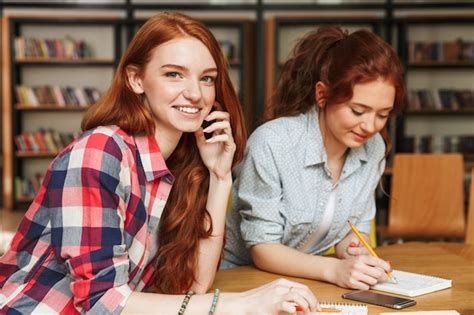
{"x":452,"y":261}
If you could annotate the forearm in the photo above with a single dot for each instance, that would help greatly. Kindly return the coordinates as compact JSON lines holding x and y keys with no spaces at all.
{"x":296,"y":264}
{"x":210,"y":248}
{"x":151,"y":303}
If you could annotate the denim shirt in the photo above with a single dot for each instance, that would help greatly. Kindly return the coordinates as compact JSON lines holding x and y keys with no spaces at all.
{"x":283,"y":184}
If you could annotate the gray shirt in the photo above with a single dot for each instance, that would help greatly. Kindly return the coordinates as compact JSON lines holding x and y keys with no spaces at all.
{"x":283,"y":185}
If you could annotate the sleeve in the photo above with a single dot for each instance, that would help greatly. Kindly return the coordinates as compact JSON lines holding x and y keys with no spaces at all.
{"x":258,"y":193}
{"x":375,"y":174}
{"x":85,"y":198}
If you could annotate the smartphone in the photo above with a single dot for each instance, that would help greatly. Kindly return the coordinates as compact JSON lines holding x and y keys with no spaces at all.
{"x":379,"y":299}
{"x":206,"y":124}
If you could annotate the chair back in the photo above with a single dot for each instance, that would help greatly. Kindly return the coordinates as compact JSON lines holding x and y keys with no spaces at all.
{"x":470,"y":214}
{"x":427,"y":196}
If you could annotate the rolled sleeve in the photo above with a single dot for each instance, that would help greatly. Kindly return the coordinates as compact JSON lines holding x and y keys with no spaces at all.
{"x":86,"y":206}
{"x":259,"y":195}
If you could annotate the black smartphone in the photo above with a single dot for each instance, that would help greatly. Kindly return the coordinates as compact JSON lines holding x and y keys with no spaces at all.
{"x":379,"y":299}
{"x":206,"y":124}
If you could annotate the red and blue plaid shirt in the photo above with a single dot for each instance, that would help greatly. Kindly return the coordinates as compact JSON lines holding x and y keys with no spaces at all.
{"x":89,"y":238}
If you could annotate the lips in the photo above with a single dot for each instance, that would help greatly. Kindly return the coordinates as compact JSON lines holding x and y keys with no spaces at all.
{"x":360,"y":137}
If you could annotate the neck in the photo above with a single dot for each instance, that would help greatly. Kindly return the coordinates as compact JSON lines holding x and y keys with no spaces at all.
{"x":335,"y":150}
{"x":167,"y":141}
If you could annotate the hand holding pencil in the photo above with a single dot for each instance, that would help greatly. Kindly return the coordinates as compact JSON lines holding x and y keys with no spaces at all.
{"x":369,"y":248}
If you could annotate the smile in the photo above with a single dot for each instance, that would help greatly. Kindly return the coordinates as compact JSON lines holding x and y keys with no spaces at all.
{"x":359,"y":136}
{"x":190,"y":110}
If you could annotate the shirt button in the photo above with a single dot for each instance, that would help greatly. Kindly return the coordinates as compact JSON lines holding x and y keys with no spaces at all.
{"x":293,"y":220}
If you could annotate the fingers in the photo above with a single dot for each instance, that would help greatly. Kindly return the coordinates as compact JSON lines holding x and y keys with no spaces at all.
{"x":365,"y":271}
{"x":297,"y":293}
{"x":220,"y":126}
{"x":217,"y":115}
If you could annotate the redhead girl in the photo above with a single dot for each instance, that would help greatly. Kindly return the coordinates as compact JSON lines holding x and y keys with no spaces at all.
{"x":317,"y":163}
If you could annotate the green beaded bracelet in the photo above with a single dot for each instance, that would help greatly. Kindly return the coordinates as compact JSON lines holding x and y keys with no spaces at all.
{"x":214,"y":301}
{"x":187,"y":297}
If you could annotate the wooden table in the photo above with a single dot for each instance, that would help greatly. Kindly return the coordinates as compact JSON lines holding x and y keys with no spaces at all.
{"x":452,"y":261}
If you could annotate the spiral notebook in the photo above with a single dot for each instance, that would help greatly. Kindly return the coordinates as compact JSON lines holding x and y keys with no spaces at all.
{"x":347,"y":308}
{"x":413,"y":284}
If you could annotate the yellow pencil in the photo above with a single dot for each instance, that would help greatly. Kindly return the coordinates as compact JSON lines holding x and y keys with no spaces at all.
{"x":369,"y":248}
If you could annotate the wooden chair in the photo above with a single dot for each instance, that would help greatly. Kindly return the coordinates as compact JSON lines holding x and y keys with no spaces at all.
{"x":427,"y":197}
{"x":470,"y":222}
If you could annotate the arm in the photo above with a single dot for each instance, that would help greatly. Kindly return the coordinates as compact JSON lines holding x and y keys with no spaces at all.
{"x":272,"y":298}
{"x":217,"y":154}
{"x":87,"y":217}
{"x":357,"y":272}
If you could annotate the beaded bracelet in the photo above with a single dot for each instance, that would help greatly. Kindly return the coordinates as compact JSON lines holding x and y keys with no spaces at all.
{"x":187,"y":297}
{"x":214,"y":301}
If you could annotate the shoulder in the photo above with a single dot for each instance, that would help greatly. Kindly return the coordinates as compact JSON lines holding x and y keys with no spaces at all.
{"x":100,"y":145}
{"x":375,"y":147}
{"x":279,"y":132}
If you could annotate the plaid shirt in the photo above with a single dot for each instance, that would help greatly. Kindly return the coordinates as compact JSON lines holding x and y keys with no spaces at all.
{"x":89,"y":237}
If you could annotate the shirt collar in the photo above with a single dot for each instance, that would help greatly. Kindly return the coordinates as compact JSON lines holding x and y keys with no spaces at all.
{"x":153,"y":162}
{"x":315,"y":152}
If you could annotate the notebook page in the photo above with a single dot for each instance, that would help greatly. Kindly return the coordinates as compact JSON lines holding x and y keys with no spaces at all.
{"x":413,"y":284}
{"x":347,"y":308}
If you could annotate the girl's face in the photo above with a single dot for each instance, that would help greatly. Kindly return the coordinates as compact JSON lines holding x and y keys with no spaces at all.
{"x":179,"y":85}
{"x":352,"y":123}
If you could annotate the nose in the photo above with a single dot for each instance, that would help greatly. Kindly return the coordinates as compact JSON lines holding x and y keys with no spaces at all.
{"x":368,"y":124}
{"x":192,"y":91}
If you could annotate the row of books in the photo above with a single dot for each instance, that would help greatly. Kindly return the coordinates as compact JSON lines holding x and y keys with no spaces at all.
{"x":438,"y":144}
{"x":44,"y":141}
{"x":440,"y":99}
{"x":35,"y":96}
{"x":65,"y":48}
{"x":27,"y":188}
{"x":452,"y":51}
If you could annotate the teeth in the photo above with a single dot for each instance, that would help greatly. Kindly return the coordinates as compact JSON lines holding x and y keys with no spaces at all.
{"x":191,"y":110}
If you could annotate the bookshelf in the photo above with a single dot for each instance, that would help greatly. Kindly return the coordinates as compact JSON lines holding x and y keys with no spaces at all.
{"x":438,"y":53}
{"x":57,"y":68}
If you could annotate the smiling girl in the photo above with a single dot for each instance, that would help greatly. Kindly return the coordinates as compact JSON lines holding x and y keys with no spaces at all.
{"x":317,"y":163}
{"x":138,"y":202}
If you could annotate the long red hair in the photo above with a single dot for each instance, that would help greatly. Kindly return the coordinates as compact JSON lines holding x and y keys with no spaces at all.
{"x":185,"y":219}
{"x":339,"y":60}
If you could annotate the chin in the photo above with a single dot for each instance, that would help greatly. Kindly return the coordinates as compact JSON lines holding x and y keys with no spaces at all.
{"x":188,"y":128}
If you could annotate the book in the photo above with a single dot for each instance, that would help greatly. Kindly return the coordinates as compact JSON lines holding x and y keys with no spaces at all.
{"x":347,"y":308}
{"x":446,"y":312}
{"x":413,"y":284}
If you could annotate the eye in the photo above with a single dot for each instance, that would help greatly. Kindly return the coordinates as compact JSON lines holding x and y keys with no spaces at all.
{"x":383,"y":116}
{"x":355,"y":112}
{"x":173,"y":74}
{"x":208,"y":79}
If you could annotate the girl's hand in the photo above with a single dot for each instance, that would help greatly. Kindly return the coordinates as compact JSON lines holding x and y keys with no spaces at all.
{"x":359,"y":272}
{"x":217,"y":152}
{"x":351,"y":246}
{"x":279,"y":296}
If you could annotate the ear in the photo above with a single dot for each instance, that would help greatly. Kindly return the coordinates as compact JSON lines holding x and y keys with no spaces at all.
{"x":134,"y":79}
{"x":320,"y":90}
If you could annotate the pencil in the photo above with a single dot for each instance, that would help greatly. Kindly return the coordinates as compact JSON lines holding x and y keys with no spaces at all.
{"x":369,"y":248}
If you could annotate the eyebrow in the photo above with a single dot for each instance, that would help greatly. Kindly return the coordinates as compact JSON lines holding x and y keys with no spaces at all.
{"x":186,"y":69}
{"x":365,"y":106}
